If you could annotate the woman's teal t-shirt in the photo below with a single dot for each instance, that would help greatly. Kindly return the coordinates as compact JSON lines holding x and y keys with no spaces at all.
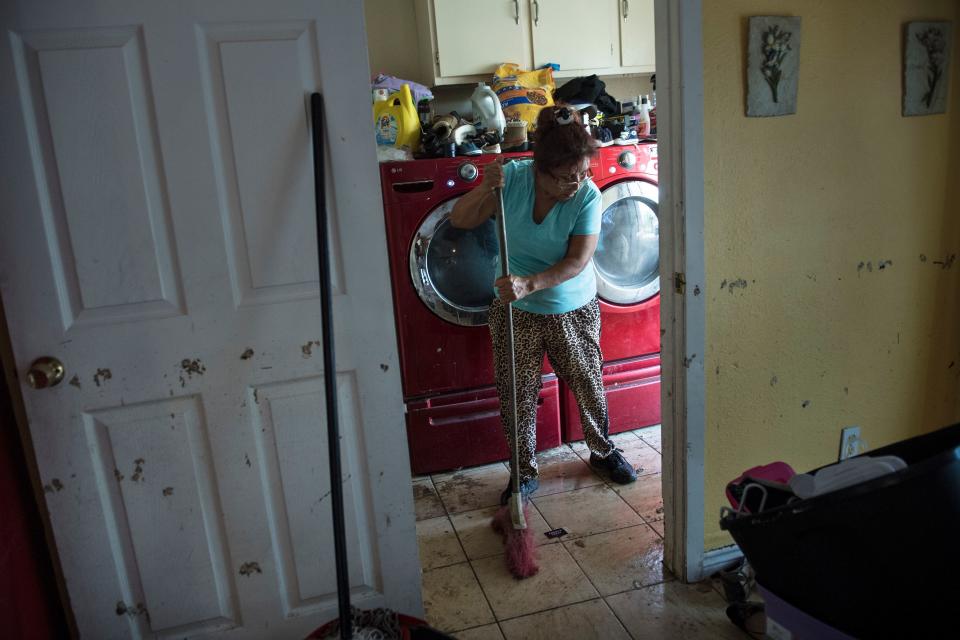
{"x":534,"y":248}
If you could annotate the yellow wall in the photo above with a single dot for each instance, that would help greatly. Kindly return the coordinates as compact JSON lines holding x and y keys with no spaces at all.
{"x":793,"y":205}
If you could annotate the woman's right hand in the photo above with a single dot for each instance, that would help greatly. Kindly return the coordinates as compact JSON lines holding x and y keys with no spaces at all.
{"x":493,"y":175}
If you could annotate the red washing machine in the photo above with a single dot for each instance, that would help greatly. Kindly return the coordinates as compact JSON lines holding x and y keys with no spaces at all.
{"x":626,"y":263}
{"x":442,"y":281}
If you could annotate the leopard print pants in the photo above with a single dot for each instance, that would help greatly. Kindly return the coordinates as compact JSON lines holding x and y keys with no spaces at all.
{"x":572,"y":343}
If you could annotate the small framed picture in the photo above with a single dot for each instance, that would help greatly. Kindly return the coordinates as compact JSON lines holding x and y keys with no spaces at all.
{"x":926,"y":67}
{"x":773,"y":65}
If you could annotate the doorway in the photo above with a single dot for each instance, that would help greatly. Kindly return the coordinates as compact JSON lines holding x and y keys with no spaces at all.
{"x":682,"y":278}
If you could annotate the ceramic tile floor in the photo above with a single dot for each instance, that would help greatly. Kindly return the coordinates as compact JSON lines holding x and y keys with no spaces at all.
{"x":604,"y":579}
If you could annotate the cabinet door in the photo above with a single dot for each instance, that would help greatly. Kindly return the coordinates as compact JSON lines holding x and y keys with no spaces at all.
{"x":574,"y":34}
{"x":473,"y":38}
{"x":636,"y":34}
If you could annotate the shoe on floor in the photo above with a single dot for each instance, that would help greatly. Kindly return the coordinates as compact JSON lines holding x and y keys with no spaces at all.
{"x":527,"y":488}
{"x":616,"y":466}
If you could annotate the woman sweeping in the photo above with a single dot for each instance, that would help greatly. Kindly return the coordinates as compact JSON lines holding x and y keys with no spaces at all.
{"x":553,"y":214}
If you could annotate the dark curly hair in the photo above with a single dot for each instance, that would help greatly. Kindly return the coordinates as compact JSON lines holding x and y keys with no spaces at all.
{"x":560,"y":144}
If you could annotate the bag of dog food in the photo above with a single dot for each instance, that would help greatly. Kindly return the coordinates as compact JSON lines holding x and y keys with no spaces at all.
{"x":523,"y":94}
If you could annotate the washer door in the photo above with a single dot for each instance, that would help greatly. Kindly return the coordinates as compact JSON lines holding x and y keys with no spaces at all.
{"x":454,"y":269}
{"x":627,"y":260}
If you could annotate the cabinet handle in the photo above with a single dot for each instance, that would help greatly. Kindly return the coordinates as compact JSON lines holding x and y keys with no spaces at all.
{"x":516,"y":11}
{"x":536,"y":13}
{"x":626,"y":8}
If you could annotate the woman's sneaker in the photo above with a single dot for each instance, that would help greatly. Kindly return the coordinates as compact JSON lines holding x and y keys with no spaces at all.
{"x":615,"y":465}
{"x":527,"y":487}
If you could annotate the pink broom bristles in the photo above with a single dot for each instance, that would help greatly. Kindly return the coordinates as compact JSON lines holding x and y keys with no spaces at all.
{"x":521,"y":553}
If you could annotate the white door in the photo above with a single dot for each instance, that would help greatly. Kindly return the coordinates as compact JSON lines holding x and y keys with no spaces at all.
{"x":158,"y":239}
{"x":474,"y":38}
{"x":636,"y":34}
{"x":574,"y":34}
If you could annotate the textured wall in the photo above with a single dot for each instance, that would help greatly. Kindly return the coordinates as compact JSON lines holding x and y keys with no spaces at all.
{"x":827,"y":301}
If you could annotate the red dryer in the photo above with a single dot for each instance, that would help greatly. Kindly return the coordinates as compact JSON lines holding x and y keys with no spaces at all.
{"x":442,"y":287}
{"x":626,"y":263}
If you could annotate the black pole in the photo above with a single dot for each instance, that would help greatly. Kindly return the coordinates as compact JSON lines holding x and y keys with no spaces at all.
{"x":330,"y":370}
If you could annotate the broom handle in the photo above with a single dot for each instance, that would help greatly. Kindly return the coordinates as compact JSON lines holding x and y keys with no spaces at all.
{"x":330,"y":371}
{"x":504,"y":272}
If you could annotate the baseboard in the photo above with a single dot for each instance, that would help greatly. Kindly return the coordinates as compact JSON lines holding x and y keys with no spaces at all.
{"x":717,"y":559}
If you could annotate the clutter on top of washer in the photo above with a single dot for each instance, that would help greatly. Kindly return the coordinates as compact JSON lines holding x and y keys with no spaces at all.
{"x":393,"y":83}
{"x":450,"y":135}
{"x":588,"y":90}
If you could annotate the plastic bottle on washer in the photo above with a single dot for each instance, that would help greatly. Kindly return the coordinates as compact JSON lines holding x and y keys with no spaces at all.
{"x":643,"y":119}
{"x":487,"y":109}
{"x":653,"y":106}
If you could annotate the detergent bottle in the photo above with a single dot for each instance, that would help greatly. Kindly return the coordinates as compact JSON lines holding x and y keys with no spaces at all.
{"x":643,"y":120}
{"x":487,"y":109}
{"x":396,"y":121}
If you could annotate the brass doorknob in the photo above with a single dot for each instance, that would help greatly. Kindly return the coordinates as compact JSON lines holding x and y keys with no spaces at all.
{"x":45,"y":372}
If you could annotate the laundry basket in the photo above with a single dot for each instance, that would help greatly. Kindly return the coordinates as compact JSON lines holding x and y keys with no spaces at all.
{"x":865,"y":559}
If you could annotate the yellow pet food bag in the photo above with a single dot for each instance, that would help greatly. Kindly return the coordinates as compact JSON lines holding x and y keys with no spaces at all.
{"x":523,"y":94}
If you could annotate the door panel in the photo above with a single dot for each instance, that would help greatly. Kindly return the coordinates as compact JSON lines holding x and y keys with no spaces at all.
{"x":83,"y":90}
{"x":287,"y":448}
{"x":159,"y":240}
{"x":574,"y":34}
{"x":637,"y":34}
{"x":153,"y":470}
{"x":464,"y":47}
{"x":253,"y":80}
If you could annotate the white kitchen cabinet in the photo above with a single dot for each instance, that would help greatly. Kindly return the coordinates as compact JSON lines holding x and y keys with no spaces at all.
{"x":637,"y":50}
{"x":471,"y":38}
{"x":576,"y":35}
{"x":463,"y":41}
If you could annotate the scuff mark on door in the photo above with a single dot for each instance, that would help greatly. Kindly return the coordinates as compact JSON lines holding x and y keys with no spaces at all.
{"x":138,"y":470}
{"x":307,"y":350}
{"x":101,"y":375}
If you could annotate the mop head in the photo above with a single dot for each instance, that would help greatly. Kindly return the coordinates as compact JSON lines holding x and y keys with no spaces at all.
{"x":521,"y":553}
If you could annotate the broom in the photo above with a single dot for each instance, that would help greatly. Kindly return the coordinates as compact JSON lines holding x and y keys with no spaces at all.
{"x":351,"y":623}
{"x":510,"y":521}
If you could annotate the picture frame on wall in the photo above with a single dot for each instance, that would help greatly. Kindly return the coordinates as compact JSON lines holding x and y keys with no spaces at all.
{"x":926,"y":67}
{"x":773,"y":65}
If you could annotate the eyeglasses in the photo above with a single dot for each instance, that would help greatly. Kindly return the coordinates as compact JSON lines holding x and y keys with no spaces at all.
{"x":570,"y":179}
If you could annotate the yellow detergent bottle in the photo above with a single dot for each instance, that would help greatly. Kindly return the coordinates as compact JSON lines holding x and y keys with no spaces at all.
{"x":396,"y":120}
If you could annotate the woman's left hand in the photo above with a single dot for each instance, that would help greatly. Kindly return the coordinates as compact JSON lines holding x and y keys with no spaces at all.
{"x":510,"y":287}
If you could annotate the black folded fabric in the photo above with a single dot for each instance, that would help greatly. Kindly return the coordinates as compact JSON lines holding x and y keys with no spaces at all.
{"x":588,"y":90}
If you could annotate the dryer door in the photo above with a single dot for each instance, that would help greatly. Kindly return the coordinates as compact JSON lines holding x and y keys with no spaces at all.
{"x":627,"y":261}
{"x":453,"y":269}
